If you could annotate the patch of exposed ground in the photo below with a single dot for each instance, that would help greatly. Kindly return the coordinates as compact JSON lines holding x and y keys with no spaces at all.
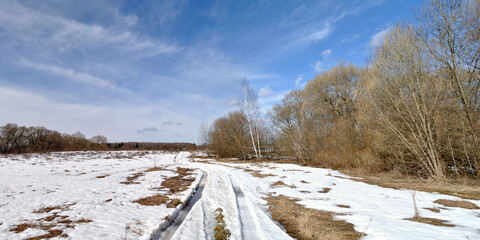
{"x":174,"y":184}
{"x":154,"y":200}
{"x":305,"y":223}
{"x":56,"y":221}
{"x":259,"y":174}
{"x":435,"y":210}
{"x":131,"y":179}
{"x":325,"y":190}
{"x":431,"y":221}
{"x":467,"y":188}
{"x":180,"y":182}
{"x":220,"y":230}
{"x":457,"y":203}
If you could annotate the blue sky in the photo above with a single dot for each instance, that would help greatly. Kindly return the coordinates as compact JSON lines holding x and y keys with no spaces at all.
{"x":154,"y":70}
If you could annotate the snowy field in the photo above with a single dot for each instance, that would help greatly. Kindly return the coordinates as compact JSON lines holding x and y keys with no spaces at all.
{"x":87,"y":188}
{"x":90,"y":192}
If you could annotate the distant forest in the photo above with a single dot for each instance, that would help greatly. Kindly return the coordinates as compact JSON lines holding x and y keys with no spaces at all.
{"x":21,"y":139}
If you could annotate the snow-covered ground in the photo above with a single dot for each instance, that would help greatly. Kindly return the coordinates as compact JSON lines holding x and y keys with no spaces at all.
{"x":87,"y":185}
{"x":28,"y":184}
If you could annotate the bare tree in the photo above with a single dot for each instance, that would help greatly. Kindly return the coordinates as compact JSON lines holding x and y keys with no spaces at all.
{"x":203,"y":133}
{"x":410,"y":100}
{"x":449,"y":31}
{"x":248,"y":104}
{"x":99,"y":139}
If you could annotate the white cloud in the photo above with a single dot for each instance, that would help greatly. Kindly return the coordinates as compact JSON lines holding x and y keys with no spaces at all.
{"x":298,"y":80}
{"x":320,"y":34}
{"x":327,"y":53}
{"x":265,"y":92}
{"x":70,"y":74}
{"x":377,"y":38}
{"x":319,"y":66}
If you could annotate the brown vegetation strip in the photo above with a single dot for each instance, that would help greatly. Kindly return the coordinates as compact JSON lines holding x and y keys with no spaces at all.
{"x":131,"y":179}
{"x":435,"y":210}
{"x":261,"y":175}
{"x":278,"y":183}
{"x":180,"y":182}
{"x":457,"y":203}
{"x":221,"y":233}
{"x":49,"y":209}
{"x":395,"y":181}
{"x":431,"y":221}
{"x":304,"y":223}
{"x":152,"y":200}
{"x":50,"y":234}
{"x":174,"y":203}
{"x":325,"y":190}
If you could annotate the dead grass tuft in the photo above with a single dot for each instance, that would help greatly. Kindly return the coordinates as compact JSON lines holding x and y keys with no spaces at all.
{"x":49,"y":209}
{"x":221,"y":233}
{"x":304,"y":223}
{"x":153,"y":169}
{"x":325,"y":190}
{"x":435,"y":210}
{"x":174,"y":203}
{"x":258,"y":174}
{"x":22,"y":227}
{"x":343,"y":206}
{"x":431,"y":221}
{"x":180,"y":182}
{"x":303,"y":181}
{"x":131,"y":179}
{"x":152,"y":200}
{"x":458,"y":188}
{"x":102,"y":176}
{"x":278,"y":183}
{"x":50,"y":234}
{"x":457,"y":203}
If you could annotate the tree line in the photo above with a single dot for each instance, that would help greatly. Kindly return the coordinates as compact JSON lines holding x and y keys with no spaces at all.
{"x":21,"y":139}
{"x":414,"y":107}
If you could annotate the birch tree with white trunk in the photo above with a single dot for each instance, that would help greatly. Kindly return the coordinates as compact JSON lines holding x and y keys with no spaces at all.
{"x":248,"y":102}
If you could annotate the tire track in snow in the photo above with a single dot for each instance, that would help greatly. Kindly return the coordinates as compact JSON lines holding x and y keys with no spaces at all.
{"x":245,"y":219}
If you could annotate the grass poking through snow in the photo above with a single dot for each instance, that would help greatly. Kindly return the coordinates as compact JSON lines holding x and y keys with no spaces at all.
{"x":221,"y":233}
{"x":305,"y":223}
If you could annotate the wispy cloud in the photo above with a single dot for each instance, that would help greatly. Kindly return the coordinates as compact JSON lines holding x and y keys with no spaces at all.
{"x":70,"y":74}
{"x":319,"y":34}
{"x":265,"y":92}
{"x":298,"y":80}
{"x":147,"y":130}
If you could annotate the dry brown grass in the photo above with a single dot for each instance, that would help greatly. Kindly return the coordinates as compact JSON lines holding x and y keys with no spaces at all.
{"x":278,"y":183}
{"x":153,"y":169}
{"x":180,"y":182}
{"x":463,"y":189}
{"x":174,"y":203}
{"x":49,"y":209}
{"x":102,"y":176}
{"x":131,"y":179}
{"x":51,"y":234}
{"x":259,"y":174}
{"x":431,"y":221}
{"x":457,"y":203}
{"x":435,"y":210}
{"x":325,"y":190}
{"x":47,"y":223}
{"x":304,"y":223}
{"x":221,"y":233}
{"x":343,"y":206}
{"x":152,"y":200}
